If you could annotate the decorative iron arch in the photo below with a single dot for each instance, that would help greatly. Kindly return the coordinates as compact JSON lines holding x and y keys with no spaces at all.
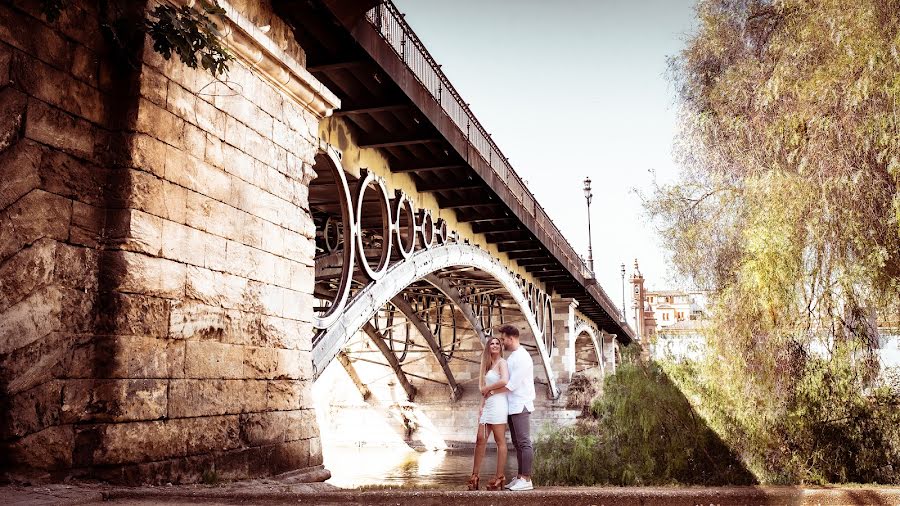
{"x":465,"y":308}
{"x":420,"y":264}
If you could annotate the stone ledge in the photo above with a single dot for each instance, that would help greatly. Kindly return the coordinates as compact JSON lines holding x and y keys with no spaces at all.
{"x":288,"y":492}
{"x":256,"y":50}
{"x":542,"y":496}
{"x":57,"y":495}
{"x":224,"y":465}
{"x":310,"y":474}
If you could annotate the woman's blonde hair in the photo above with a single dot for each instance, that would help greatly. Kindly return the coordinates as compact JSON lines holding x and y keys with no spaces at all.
{"x":486,"y":359}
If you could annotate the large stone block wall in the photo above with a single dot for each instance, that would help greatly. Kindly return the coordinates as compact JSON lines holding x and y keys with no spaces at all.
{"x":56,"y":157}
{"x":155,"y":261}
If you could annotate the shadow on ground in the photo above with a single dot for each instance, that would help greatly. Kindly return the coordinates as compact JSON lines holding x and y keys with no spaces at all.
{"x":640,"y":431}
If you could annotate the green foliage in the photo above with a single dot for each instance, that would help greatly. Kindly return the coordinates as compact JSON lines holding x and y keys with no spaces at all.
{"x":827,"y":430}
{"x":211,"y":477}
{"x":641,"y":431}
{"x":788,"y":210}
{"x":583,"y":389}
{"x":190,"y":32}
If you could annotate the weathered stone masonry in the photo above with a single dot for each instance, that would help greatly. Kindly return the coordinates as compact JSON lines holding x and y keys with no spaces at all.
{"x":155,"y":257}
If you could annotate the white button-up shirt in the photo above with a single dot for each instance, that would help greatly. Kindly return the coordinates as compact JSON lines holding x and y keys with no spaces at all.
{"x":521,"y":381}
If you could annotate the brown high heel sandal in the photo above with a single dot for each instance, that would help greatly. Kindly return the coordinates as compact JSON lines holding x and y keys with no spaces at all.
{"x":473,"y":483}
{"x":496,"y":483}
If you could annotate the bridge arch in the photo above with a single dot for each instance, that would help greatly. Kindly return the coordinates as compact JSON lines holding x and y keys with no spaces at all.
{"x":452,"y":293}
{"x":420,"y":265}
{"x":584,"y":331}
{"x":367,"y":259}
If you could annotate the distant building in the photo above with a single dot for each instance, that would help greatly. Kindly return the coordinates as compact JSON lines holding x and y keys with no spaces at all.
{"x":676,"y":310}
{"x":668,"y":321}
{"x":644,"y":319}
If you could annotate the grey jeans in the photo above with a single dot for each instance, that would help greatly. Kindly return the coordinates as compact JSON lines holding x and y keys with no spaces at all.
{"x":520,"y":433}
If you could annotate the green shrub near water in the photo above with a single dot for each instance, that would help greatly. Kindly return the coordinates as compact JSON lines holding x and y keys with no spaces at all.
{"x":825,"y":429}
{"x":641,"y":431}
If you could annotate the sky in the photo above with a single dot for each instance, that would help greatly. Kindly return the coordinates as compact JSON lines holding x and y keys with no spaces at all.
{"x":568,"y":90}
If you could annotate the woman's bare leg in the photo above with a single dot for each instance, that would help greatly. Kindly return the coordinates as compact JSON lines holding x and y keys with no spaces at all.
{"x":480,"y":446}
{"x":499,"y":431}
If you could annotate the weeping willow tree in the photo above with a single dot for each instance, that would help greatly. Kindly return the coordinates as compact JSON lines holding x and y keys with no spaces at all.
{"x":788,"y":210}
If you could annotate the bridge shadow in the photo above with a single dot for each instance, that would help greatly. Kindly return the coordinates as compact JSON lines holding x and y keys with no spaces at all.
{"x":641,"y":430}
{"x":869,"y":497}
{"x":764,"y":495}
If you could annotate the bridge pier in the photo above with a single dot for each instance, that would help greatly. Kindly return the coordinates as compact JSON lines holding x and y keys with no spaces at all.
{"x":157,"y":250}
{"x":563,"y":358}
{"x":610,"y":352}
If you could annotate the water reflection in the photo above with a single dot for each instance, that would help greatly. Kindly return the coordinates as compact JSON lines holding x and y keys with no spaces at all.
{"x":358,"y":466}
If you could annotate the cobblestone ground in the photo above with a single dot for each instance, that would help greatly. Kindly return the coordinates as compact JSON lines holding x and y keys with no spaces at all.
{"x":273,"y":492}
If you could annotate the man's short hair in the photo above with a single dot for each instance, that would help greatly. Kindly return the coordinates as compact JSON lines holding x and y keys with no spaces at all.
{"x":508,"y":330}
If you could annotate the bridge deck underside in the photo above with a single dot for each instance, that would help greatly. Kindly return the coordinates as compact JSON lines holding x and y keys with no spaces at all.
{"x":389,"y":109}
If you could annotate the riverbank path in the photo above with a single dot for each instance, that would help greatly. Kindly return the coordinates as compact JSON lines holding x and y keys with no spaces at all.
{"x":270,"y":492}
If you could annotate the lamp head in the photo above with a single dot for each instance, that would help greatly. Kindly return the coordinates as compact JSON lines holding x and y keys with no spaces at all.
{"x":587,"y":188}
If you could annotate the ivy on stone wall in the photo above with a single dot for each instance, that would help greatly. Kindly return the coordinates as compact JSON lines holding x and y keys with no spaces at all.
{"x":189,"y":31}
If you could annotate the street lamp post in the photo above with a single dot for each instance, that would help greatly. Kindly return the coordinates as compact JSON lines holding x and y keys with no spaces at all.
{"x":588,"y":195}
{"x":624,"y":318}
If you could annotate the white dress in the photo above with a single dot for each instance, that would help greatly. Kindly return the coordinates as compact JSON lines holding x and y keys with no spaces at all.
{"x":495,"y":408}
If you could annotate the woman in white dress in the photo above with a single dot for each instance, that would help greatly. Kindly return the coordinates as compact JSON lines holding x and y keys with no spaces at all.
{"x":492,"y":418}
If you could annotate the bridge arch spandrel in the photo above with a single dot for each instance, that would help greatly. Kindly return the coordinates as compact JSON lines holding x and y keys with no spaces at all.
{"x":423,"y":263}
{"x":368,"y":258}
{"x":452,"y":292}
{"x":339,"y":137}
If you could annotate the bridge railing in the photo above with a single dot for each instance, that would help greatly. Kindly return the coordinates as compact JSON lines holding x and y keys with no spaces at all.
{"x":392,"y":26}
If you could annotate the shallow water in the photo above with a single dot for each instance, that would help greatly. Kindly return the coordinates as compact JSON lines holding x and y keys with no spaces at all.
{"x":391,"y":466}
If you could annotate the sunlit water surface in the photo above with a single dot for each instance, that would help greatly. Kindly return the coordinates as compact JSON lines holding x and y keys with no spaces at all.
{"x":353,"y":467}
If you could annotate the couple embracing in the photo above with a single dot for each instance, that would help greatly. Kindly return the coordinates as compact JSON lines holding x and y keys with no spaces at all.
{"x":507,"y":389}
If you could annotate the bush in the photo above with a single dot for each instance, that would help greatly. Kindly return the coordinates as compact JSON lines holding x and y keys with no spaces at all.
{"x":825,"y":428}
{"x":642,"y":431}
{"x":584,"y":387}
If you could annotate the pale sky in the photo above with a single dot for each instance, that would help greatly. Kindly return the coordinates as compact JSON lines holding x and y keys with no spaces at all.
{"x":571,"y":89}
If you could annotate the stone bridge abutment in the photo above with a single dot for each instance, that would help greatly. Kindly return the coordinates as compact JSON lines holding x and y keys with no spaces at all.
{"x":156,"y":268}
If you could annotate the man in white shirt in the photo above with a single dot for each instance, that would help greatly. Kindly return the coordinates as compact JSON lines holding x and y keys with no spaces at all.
{"x":520,"y":398}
